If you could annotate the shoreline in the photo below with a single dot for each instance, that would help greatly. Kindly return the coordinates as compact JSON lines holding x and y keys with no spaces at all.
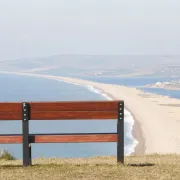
{"x":136,"y":141}
{"x":136,"y":131}
{"x":137,"y":148}
{"x":156,"y":125}
{"x":138,"y":135}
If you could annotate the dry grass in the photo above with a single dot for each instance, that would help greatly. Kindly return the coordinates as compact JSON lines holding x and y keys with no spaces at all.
{"x":5,"y":155}
{"x":161,"y":167}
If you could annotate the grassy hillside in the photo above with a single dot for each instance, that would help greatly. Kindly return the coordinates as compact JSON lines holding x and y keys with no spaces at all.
{"x":161,"y":167}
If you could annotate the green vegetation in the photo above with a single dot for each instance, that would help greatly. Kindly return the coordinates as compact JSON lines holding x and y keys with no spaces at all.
{"x":150,"y":167}
{"x":5,"y":155}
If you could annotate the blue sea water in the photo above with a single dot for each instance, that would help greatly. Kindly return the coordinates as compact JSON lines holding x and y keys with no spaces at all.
{"x":23,"y":88}
{"x":128,"y":81}
{"x":164,"y":92}
{"x":139,"y":82}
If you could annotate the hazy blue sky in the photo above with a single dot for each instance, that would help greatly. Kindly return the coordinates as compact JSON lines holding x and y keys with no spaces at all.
{"x":45,"y":27}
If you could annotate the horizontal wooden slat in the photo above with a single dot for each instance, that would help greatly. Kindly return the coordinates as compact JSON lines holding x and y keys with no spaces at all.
{"x":75,"y":106}
{"x":61,"y":106}
{"x":11,"y":111}
{"x":73,"y":115}
{"x":11,"y":107}
{"x":61,"y":110}
{"x":61,"y":115}
{"x":75,"y":138}
{"x":60,"y":138}
{"x":10,"y":139}
{"x":10,"y":116}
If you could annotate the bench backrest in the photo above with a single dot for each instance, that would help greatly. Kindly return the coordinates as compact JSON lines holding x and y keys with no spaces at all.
{"x":76,"y":110}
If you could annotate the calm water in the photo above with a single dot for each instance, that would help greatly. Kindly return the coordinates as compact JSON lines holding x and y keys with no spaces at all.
{"x":164,"y":92}
{"x":133,"y":81}
{"x":21,"y":88}
{"x":139,"y":82}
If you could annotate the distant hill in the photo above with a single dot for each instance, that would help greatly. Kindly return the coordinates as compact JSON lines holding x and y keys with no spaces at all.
{"x":112,"y":65}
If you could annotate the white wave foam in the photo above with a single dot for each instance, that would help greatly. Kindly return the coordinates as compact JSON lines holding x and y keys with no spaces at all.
{"x":76,"y":84}
{"x":106,"y":96}
{"x":129,"y":120}
{"x":97,"y":91}
{"x":92,"y":89}
{"x":66,"y":81}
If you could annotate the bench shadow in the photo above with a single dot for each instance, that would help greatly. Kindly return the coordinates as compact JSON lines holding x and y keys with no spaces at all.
{"x":10,"y":166}
{"x":21,"y":166}
{"x":141,"y":165}
{"x":36,"y":165}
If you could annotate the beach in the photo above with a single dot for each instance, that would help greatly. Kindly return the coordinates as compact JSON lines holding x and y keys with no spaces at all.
{"x":157,"y":117}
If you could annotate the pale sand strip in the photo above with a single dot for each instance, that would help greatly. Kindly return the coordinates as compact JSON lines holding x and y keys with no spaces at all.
{"x":160,"y":124}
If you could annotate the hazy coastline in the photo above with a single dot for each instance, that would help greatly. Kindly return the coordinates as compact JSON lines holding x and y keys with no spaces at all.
{"x":172,"y":85}
{"x":156,"y":125}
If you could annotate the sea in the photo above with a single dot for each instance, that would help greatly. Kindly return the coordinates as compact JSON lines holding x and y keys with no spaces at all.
{"x":15,"y":88}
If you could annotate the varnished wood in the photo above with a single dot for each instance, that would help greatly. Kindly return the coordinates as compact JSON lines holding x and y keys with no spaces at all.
{"x":61,"y":110}
{"x":10,"y":107}
{"x":61,"y":115}
{"x":61,"y":106}
{"x":71,"y":138}
{"x":72,"y":115}
{"x":74,"y":106}
{"x":10,"y":116}
{"x":75,"y":138}
{"x":11,"y":139}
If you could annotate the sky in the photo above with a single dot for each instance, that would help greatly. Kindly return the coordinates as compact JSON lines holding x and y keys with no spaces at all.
{"x":34,"y":28}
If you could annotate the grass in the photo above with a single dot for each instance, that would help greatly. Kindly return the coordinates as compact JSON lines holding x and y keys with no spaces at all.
{"x":5,"y":155}
{"x":150,"y":167}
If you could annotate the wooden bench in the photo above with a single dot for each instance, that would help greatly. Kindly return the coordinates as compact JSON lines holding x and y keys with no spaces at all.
{"x":83,"y":110}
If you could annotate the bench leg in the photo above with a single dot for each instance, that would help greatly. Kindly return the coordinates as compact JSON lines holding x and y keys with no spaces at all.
{"x":25,"y":130}
{"x":120,"y":132}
